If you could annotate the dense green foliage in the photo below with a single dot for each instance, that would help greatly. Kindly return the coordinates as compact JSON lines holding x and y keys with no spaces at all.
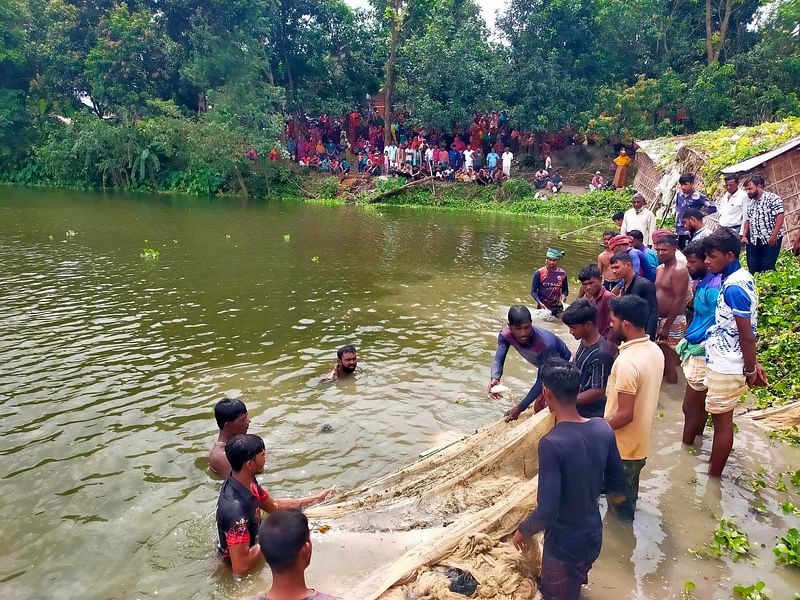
{"x":171,"y":94}
{"x":638,"y":69}
{"x":515,"y":196}
{"x":778,"y":338}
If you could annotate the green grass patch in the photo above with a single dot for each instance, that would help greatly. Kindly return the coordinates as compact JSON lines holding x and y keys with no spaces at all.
{"x":779,"y":336}
{"x":514,"y":196}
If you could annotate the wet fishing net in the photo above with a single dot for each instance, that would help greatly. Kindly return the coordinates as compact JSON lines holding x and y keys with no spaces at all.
{"x":778,"y":418}
{"x":464,"y":500}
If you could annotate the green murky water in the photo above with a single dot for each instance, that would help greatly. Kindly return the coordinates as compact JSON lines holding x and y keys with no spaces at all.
{"x":111,"y":364}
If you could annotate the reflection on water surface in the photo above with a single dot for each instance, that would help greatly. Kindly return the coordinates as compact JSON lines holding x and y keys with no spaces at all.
{"x":111,"y":364}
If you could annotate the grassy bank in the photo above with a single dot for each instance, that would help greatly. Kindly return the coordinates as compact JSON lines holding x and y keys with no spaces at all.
{"x":515,"y":196}
{"x":779,"y":333}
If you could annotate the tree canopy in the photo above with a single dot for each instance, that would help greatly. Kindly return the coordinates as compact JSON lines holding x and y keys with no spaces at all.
{"x":606,"y":69}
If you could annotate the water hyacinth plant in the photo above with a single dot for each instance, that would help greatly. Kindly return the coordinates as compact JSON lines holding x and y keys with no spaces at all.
{"x":729,"y":540}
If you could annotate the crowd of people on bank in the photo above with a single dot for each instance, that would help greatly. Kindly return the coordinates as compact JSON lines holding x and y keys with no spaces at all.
{"x":656,"y":300}
{"x":482,"y":153}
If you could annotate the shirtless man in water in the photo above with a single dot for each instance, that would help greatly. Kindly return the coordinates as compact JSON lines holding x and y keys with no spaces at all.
{"x":232,"y":419}
{"x":604,"y":261}
{"x":672,"y":285}
{"x":346,"y":363}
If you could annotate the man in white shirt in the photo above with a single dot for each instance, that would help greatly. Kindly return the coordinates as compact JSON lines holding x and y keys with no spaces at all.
{"x":507,"y":158}
{"x":391,"y":154}
{"x":468,"y":164}
{"x":641,"y":218}
{"x":733,"y":205}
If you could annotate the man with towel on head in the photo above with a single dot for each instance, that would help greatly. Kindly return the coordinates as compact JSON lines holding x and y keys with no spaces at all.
{"x":679,"y":256}
{"x":550,"y":287}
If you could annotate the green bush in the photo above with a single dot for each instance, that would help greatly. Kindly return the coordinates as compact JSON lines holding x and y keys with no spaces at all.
{"x":166,"y":151}
{"x":328,"y":187}
{"x":389,"y":183}
{"x":514,"y":189}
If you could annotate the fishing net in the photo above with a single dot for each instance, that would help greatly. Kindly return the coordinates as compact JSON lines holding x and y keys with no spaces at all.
{"x":777,"y":418}
{"x":470,"y":495}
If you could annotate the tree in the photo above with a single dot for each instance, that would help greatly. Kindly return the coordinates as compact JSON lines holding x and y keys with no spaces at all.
{"x":554,"y":66}
{"x":328,"y":57}
{"x":396,"y":16}
{"x":649,"y":108}
{"x":716,"y":39}
{"x":446,"y":97}
{"x":711,"y":97}
{"x":132,"y":58}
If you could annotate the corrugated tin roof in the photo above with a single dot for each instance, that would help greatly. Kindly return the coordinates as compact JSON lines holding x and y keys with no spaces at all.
{"x":757,"y":161}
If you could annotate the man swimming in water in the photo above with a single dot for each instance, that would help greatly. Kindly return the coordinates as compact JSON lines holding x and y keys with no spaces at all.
{"x":536,"y":345}
{"x":346,"y":363}
{"x":232,"y":419}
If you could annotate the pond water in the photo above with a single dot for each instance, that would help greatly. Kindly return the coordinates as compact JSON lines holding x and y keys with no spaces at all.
{"x":111,"y":365}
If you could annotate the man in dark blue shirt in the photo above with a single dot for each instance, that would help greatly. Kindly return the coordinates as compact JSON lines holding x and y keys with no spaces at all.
{"x":536,"y":345}
{"x":687,"y":198}
{"x":575,"y":458}
{"x":454,"y":157}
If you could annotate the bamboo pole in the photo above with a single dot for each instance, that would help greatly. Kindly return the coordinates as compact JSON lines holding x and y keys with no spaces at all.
{"x":563,"y":235}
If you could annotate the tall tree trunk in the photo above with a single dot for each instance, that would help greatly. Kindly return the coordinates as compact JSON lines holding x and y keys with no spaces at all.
{"x":723,"y":28}
{"x":389,"y":90}
{"x":289,"y":76}
{"x":713,"y":53}
{"x":284,"y":39}
{"x":239,"y":177}
{"x":709,"y":34}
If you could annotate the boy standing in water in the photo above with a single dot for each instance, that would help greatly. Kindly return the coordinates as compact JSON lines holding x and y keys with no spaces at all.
{"x":550,"y":287}
{"x":575,"y":458}
{"x":731,"y":365}
{"x":594,"y":357}
{"x":232,"y":419}
{"x":241,"y":501}
{"x":691,"y":350}
{"x":672,"y":292}
{"x":632,"y":393}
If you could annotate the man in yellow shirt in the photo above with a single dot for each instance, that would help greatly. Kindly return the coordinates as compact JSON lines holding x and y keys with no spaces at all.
{"x":632,"y":392}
